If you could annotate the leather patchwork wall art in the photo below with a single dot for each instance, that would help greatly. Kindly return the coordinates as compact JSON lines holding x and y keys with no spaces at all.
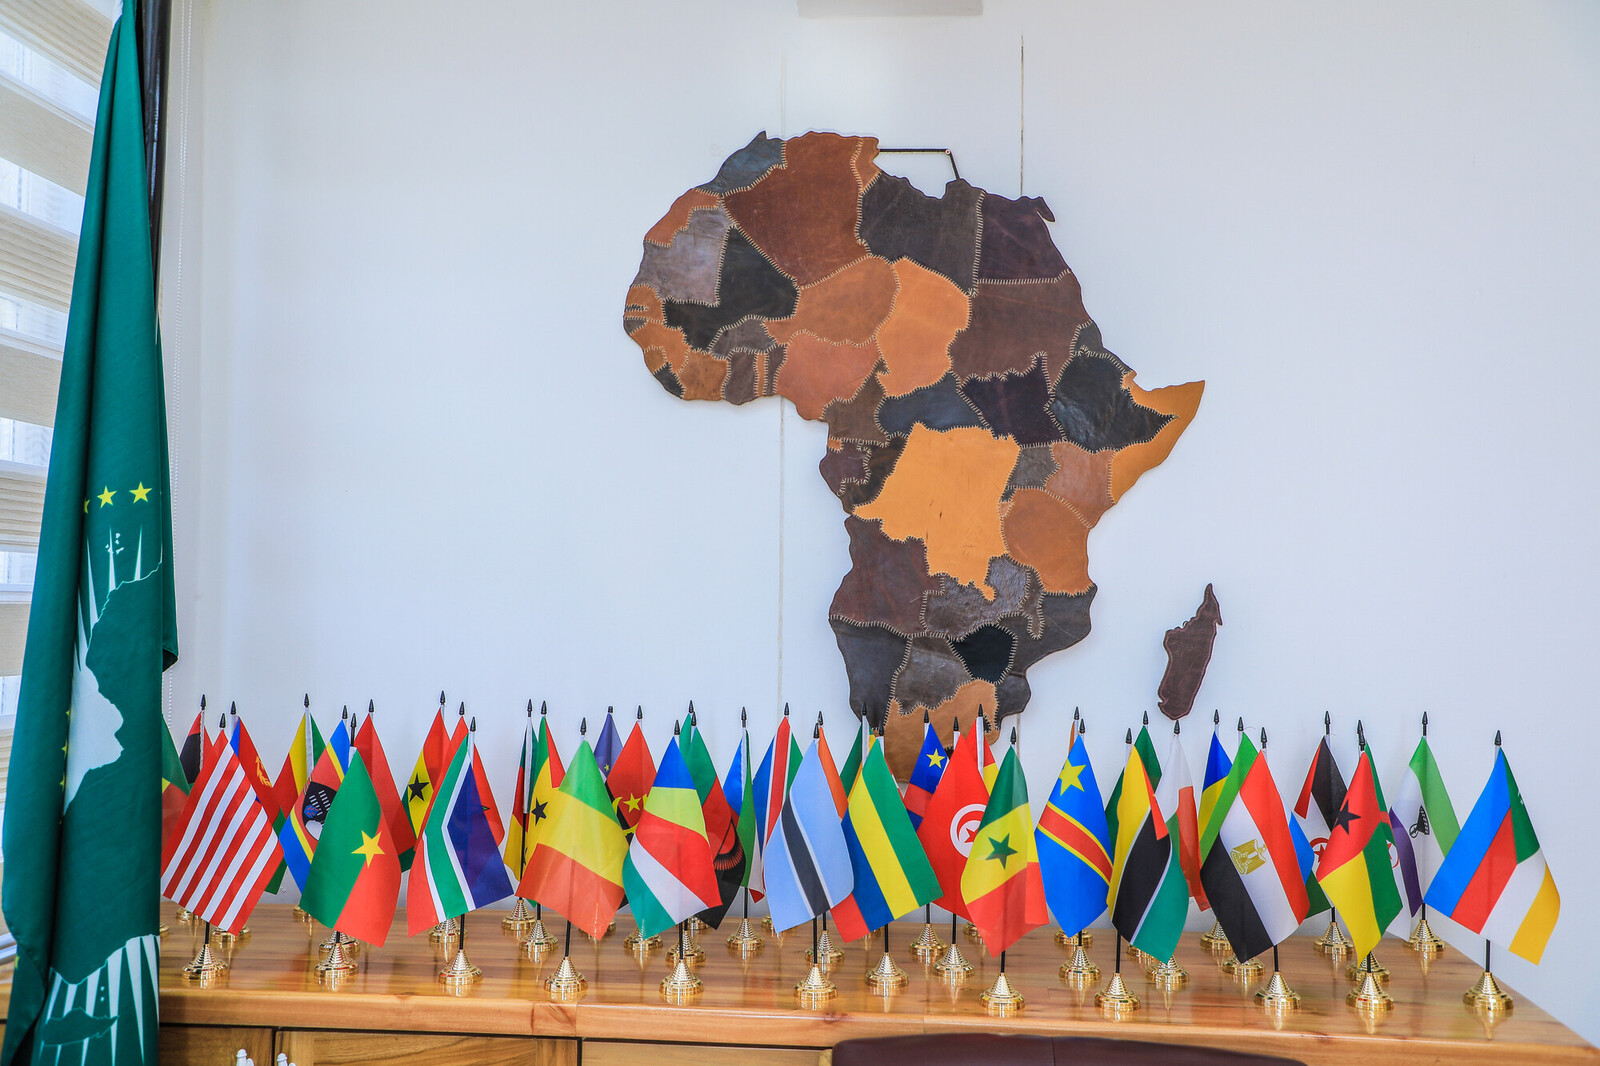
{"x":978,"y":427}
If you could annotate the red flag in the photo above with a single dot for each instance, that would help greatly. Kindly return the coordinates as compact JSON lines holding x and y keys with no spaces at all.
{"x":954,"y":814}
{"x":630,"y":778}
{"x":491,"y":810}
{"x":394,"y":814}
{"x":255,"y":771}
{"x":194,"y":747}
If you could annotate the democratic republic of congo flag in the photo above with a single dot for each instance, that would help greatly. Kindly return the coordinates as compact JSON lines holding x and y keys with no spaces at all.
{"x":925,"y":773}
{"x":892,"y":877}
{"x":1075,"y":844}
{"x":1001,"y":884}
{"x":1354,"y":871}
{"x":668,"y":873}
{"x":576,"y":868}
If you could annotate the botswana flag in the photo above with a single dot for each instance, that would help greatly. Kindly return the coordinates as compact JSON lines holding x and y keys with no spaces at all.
{"x":807,"y":862}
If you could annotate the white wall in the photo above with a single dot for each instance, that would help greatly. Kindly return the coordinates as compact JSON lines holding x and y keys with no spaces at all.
{"x":415,"y":450}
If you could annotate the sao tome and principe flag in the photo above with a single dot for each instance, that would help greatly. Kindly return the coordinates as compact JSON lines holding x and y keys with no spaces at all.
{"x":629,"y":780}
{"x":1074,"y":844}
{"x":1318,"y":805}
{"x":382,"y":778}
{"x":953,"y":817}
{"x":1149,"y":897}
{"x":457,"y":868}
{"x":354,"y":879}
{"x":925,"y":774}
{"x":807,"y":863}
{"x":576,"y":868}
{"x":1354,"y":870}
{"x":668,"y":873}
{"x":1494,"y":880}
{"x":891,"y":875}
{"x":83,"y":817}
{"x":721,"y":828}
{"x":432,"y":760}
{"x":1001,"y":884}
{"x":1424,"y":823}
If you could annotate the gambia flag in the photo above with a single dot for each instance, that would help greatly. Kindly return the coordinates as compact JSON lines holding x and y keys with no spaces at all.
{"x":457,"y":867}
{"x":1495,"y":880}
{"x":354,"y":879}
{"x":668,"y":873}
{"x":1001,"y":885}
{"x":1354,"y":871}
{"x":576,"y":868}
{"x":1152,"y":769}
{"x":925,"y":773}
{"x":1149,"y":897}
{"x":377,"y":765}
{"x":1254,"y":867}
{"x":1074,"y":844}
{"x":721,"y":827}
{"x":83,"y":821}
{"x":892,"y":877}
{"x":428,"y":772}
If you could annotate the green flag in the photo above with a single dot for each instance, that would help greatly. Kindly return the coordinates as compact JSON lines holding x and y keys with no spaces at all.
{"x":83,"y":826}
{"x":1152,"y":769}
{"x":354,"y":880}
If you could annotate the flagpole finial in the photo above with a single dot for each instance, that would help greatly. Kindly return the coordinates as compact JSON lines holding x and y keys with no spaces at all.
{"x":1241,"y":723}
{"x":369,"y":708}
{"x":583,"y":727}
{"x":233,"y":708}
{"x":1497,"y":738}
{"x":1216,"y":718}
{"x":1146,"y":717}
{"x":1361,"y":735}
{"x":306,"y":702}
{"x":222,"y":722}
{"x":1424,"y":723}
{"x":675,"y":727}
{"x":609,"y":711}
{"x":819,"y":719}
{"x":441,"y":699}
{"x":691,"y":710}
{"x":1176,"y":724}
{"x":530,"y":707}
{"x":344,"y":715}
{"x":638,"y":712}
{"x":202,"y":701}
{"x":1327,"y":724}
{"x":472,"y":724}
{"x":816,"y":730}
{"x":744,"y":717}
{"x":1083,"y":726}
{"x":786,"y":709}
{"x":1013,"y":736}
{"x":1263,"y":738}
{"x":1129,"y":738}
{"x":461,"y":711}
{"x":927,"y":718}
{"x":544,"y":708}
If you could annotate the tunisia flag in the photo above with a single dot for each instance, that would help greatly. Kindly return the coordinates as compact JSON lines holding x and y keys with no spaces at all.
{"x":954,"y":814}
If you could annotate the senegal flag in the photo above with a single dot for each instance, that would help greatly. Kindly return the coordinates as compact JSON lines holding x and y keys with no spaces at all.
{"x":576,"y":867}
{"x":1001,"y":885}
{"x":1354,"y":871}
{"x":83,"y":825}
{"x":354,"y":879}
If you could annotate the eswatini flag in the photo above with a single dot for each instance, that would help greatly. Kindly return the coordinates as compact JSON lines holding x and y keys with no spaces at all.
{"x":1354,"y":870}
{"x":1001,"y":884}
{"x":668,"y":873}
{"x":1495,"y":880}
{"x":457,"y":867}
{"x":576,"y":866}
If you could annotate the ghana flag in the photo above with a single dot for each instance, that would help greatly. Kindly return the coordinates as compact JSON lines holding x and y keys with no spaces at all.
{"x":1354,"y":871}
{"x":576,"y":866}
{"x":1001,"y":885}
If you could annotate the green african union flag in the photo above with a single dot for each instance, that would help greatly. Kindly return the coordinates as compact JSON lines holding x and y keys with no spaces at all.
{"x":83,"y":825}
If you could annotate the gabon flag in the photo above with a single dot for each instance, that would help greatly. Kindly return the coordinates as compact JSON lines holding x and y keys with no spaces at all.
{"x":953,"y":817}
{"x":354,"y":880}
{"x":428,"y":772}
{"x":382,"y":778}
{"x":892,"y":877}
{"x":1354,"y":871}
{"x":576,"y":868}
{"x":1000,"y":883}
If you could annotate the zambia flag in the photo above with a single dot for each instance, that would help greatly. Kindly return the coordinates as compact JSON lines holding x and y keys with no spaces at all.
{"x":1001,"y":884}
{"x":1354,"y":870}
{"x":83,"y":826}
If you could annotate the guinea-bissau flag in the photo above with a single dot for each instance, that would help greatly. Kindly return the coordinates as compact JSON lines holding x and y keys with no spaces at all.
{"x":1152,"y":768}
{"x":428,"y":772}
{"x":722,"y":828}
{"x":1075,"y":844}
{"x":925,"y":773}
{"x":576,"y":868}
{"x":1149,"y":897}
{"x":83,"y":817}
{"x":1354,"y":870}
{"x":629,"y":780}
{"x":354,"y":879}
{"x":174,"y":785}
{"x":668,"y":874}
{"x":953,"y":817}
{"x":1001,"y":884}
{"x":1316,"y":808}
{"x":377,"y":763}
{"x":892,"y":876}
{"x":194,"y":745}
{"x":1255,"y":860}
{"x":1494,"y":880}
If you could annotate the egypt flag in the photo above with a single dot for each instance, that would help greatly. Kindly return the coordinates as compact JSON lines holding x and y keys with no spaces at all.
{"x":222,"y":850}
{"x":194,"y":746}
{"x":1320,"y":799}
{"x":576,"y":869}
{"x":721,"y":828}
{"x":303,"y":826}
{"x":1252,"y":870}
{"x":629,"y":780}
{"x":377,"y":767}
{"x":925,"y":773}
{"x":1494,"y":880}
{"x":1354,"y":870}
{"x":457,"y":867}
{"x":174,"y":784}
{"x":1001,"y":884}
{"x":891,"y":875}
{"x":1075,"y":844}
{"x":1424,"y":823}
{"x":668,"y":873}
{"x":354,"y":879}
{"x":1149,"y":897}
{"x":428,"y":772}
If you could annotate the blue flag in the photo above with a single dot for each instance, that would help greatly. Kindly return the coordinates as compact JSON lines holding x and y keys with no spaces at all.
{"x":807,"y":863}
{"x":1075,"y":845}
{"x":925,"y":774}
{"x":608,"y":747}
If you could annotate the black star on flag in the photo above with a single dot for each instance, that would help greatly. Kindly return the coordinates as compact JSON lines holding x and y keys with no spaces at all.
{"x":1000,"y":848}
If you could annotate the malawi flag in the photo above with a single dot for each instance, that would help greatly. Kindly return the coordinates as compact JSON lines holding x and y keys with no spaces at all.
{"x":892,"y":877}
{"x":1253,"y":869}
{"x":576,"y":870}
{"x":629,"y":780}
{"x":377,"y":764}
{"x":925,"y":773}
{"x":1075,"y":844}
{"x":428,"y":772}
{"x":1494,"y":880}
{"x":1001,"y":883}
{"x":83,"y":822}
{"x":953,"y":817}
{"x":354,"y":880}
{"x":668,"y":873}
{"x":458,"y":867}
{"x":1149,"y":898}
{"x":722,"y":828}
{"x":1354,"y":870}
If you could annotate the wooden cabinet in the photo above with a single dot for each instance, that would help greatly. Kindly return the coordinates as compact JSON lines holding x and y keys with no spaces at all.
{"x":333,"y":1048}
{"x":207,"y":1045}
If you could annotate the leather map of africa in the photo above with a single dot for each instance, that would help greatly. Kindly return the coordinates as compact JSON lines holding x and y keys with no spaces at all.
{"x":978,"y":427}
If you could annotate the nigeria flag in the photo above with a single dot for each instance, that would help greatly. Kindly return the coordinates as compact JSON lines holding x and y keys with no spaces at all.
{"x":83,"y":825}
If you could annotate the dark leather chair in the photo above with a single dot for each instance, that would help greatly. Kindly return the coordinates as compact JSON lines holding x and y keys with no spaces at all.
{"x":984,"y":1049}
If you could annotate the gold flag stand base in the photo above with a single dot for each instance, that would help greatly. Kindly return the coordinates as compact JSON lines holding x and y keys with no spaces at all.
{"x":443,"y":932}
{"x":338,"y":962}
{"x":693,"y":954}
{"x":638,"y":946}
{"x":229,"y":938}
{"x":1423,"y":940}
{"x":1083,"y":939}
{"x":1242,"y":969}
{"x":1169,"y":976}
{"x":537,"y":944}
{"x":1002,"y":1000}
{"x":1357,"y":970}
{"x":1369,"y":997}
{"x":1215,"y":940}
{"x":1115,"y":999}
{"x":521,"y":916}
{"x":186,"y":917}
{"x":300,"y":915}
{"x":744,"y":942}
{"x":1486,"y":995}
{"x":953,"y":968}
{"x":609,"y":929}
{"x":566,"y":984}
{"x":351,"y":947}
{"x":1080,"y":972}
{"x":815,"y":991}
{"x":205,"y":967}
{"x":766,"y":924}
{"x":680,"y":986}
{"x":460,"y":971}
{"x":926,"y":947}
{"x":972,"y":933}
{"x":827,"y":954}
{"x":886,"y":978}
{"x":1333,"y":942}
{"x":1278,"y":996}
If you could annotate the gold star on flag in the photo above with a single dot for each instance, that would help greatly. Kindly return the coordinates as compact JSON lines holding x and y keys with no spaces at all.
{"x":369,"y":848}
{"x":106,"y":494}
{"x":935,"y":758}
{"x":1069,"y":779}
{"x":141,"y":494}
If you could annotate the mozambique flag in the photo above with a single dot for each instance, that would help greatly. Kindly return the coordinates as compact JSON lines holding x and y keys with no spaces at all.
{"x":1494,"y":880}
{"x":892,"y":876}
{"x":305,"y":751}
{"x":1152,"y":768}
{"x":629,"y":780}
{"x":925,"y":774}
{"x":174,"y":785}
{"x":194,"y":745}
{"x":518,"y":845}
{"x":1001,"y":884}
{"x":1149,"y":897}
{"x":1320,"y":799}
{"x":576,"y":869}
{"x":377,"y":764}
{"x":311,"y":807}
{"x":722,"y":828}
{"x":354,"y":879}
{"x":1354,"y":871}
{"x":668,"y":873}
{"x":83,"y":818}
{"x":1075,"y":844}
{"x":429,"y":771}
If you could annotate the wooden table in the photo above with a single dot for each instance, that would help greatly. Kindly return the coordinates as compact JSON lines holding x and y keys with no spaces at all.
{"x":396,"y":1010}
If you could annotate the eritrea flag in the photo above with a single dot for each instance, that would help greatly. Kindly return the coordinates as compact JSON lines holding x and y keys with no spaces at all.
{"x":354,"y":880}
{"x":1001,"y":884}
